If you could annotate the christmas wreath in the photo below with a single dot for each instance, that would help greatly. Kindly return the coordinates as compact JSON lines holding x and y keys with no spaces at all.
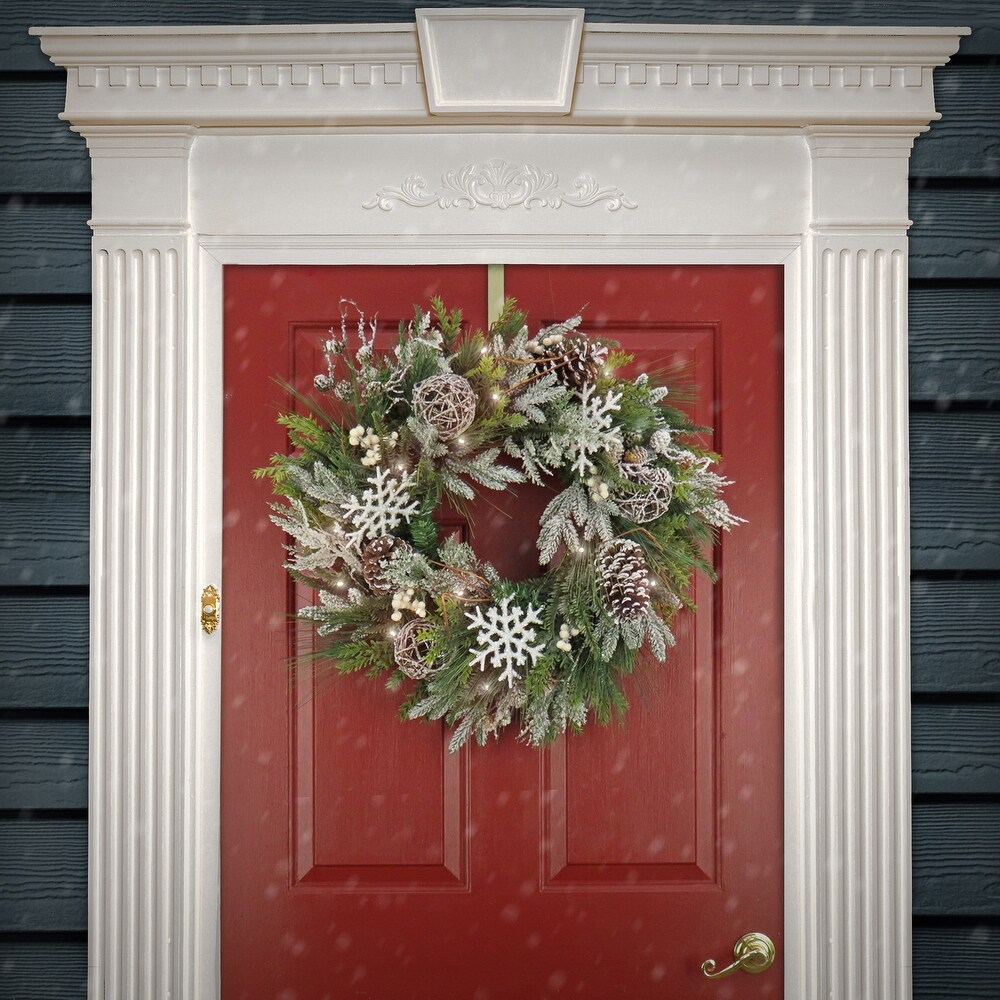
{"x":434,"y":419}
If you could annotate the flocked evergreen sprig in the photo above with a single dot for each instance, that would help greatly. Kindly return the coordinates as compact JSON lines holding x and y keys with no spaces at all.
{"x":442,"y":415}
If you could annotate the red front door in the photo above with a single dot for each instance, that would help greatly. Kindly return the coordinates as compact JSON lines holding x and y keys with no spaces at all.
{"x":359,"y":857}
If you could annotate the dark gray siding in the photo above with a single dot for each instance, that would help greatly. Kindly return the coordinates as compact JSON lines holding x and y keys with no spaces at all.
{"x":44,"y":403}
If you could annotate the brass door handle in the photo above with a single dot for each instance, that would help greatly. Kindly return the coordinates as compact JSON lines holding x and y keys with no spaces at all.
{"x":754,"y":952}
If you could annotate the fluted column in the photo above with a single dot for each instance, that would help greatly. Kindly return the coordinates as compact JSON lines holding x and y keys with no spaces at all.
{"x":144,"y":685}
{"x":848,"y":655}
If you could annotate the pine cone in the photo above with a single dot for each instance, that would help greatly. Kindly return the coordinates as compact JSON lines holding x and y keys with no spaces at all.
{"x":375,"y":559}
{"x":623,"y":578}
{"x":575,"y":360}
{"x":637,"y":455}
{"x":661,"y":441}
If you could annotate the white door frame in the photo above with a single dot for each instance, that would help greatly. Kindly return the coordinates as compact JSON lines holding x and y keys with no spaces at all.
{"x":682,"y":144}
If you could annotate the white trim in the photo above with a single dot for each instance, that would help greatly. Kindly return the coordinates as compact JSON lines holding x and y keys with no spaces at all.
{"x":546,"y":38}
{"x":738,"y":145}
{"x":647,"y":74}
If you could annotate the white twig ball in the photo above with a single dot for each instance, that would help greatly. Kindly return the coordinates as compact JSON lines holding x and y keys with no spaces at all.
{"x":411,"y":651}
{"x":447,"y":402}
{"x":654,"y":501}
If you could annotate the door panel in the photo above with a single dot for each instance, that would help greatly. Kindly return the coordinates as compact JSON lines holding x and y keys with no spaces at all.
{"x":377,"y":804}
{"x":360,"y":859}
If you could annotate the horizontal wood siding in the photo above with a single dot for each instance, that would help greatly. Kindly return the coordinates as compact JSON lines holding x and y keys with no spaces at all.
{"x":966,"y":365}
{"x":956,"y":859}
{"x":44,"y":505}
{"x":39,"y":969}
{"x":956,"y":961}
{"x":46,"y":247}
{"x":45,"y":358}
{"x":955,"y":635}
{"x":955,"y":490}
{"x":43,"y":656}
{"x":966,"y":142}
{"x":43,"y":762}
{"x":44,"y":456}
{"x":40,"y":154}
{"x":950,"y":237}
{"x":43,"y":875}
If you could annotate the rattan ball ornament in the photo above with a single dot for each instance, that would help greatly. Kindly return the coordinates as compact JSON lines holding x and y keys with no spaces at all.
{"x":653,"y":501}
{"x":411,"y":651}
{"x":447,"y":402}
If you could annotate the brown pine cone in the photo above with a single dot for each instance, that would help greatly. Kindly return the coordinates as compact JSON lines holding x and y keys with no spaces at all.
{"x":375,"y":558}
{"x":623,"y":578}
{"x":575,"y":360}
{"x":637,"y":455}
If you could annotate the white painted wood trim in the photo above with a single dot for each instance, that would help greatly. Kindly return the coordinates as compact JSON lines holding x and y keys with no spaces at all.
{"x":658,"y":74}
{"x":816,"y":108}
{"x":545,"y":38}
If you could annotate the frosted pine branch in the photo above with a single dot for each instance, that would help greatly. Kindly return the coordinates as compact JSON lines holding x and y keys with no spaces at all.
{"x":320,"y":482}
{"x":571,"y":517}
{"x":318,"y":547}
{"x":486,"y":471}
{"x":532,"y":398}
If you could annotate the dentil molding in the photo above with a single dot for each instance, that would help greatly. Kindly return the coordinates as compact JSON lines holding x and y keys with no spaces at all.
{"x":327,"y":75}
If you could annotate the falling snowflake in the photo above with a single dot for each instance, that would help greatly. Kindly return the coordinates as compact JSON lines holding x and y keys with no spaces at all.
{"x":381,"y":507}
{"x":592,"y":428}
{"x":505,"y":637}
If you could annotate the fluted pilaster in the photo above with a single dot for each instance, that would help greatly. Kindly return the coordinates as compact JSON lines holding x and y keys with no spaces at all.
{"x":848,"y":660}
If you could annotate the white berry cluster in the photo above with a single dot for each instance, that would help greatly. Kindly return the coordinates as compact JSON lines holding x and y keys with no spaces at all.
{"x":403,"y":600}
{"x":599,"y":489}
{"x":538,"y":347}
{"x":565,"y":634}
{"x":365,"y":437}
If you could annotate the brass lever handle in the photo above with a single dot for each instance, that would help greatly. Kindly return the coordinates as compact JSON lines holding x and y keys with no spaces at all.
{"x":754,"y":953}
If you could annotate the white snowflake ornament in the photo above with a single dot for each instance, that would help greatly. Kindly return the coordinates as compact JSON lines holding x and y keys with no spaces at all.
{"x":506,"y":639}
{"x":381,"y":507}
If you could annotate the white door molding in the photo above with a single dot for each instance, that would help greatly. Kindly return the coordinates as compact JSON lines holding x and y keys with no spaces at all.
{"x":734,"y":145}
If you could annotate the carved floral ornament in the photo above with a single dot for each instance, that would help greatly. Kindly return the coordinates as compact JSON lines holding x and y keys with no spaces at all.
{"x":498,"y":183}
